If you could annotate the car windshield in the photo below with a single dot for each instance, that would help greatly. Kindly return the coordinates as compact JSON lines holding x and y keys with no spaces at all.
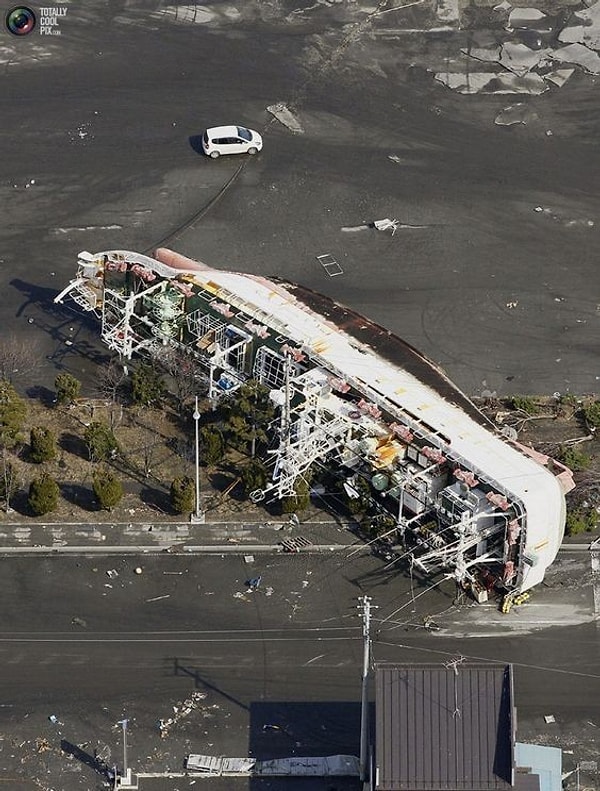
{"x":244,"y":133}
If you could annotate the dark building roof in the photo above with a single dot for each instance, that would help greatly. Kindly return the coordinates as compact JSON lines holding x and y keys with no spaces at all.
{"x":444,"y":728}
{"x":526,"y":782}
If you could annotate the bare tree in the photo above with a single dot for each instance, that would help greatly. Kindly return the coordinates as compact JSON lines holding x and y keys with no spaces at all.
{"x":9,"y":482}
{"x":184,"y":372}
{"x":17,"y":356}
{"x":112,"y":377}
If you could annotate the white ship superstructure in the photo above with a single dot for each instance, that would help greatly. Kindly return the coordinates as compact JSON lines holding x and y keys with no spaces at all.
{"x":351,"y":395}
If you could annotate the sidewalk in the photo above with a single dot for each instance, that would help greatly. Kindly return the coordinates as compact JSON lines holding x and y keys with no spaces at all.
{"x":313,"y":535}
{"x":135,"y":537}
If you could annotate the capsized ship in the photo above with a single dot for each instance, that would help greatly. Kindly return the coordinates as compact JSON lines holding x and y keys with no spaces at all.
{"x":351,"y":395}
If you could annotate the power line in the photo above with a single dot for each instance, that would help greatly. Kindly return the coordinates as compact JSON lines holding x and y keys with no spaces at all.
{"x":495,"y":660}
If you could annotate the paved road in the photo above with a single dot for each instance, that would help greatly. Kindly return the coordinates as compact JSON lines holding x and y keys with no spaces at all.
{"x":93,"y":648}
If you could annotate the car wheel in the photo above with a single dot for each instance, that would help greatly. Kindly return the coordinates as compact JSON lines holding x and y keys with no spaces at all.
{"x":214,"y":154}
{"x":252,"y":151}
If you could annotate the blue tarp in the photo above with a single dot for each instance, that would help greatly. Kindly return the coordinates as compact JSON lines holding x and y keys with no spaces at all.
{"x":544,"y":761}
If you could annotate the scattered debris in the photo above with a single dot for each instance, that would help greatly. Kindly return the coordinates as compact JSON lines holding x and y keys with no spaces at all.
{"x":558,"y":77}
{"x":112,"y":573}
{"x":529,"y":18}
{"x":580,"y":55}
{"x":448,"y":11}
{"x":515,"y":114}
{"x":330,"y":265}
{"x":42,"y":745}
{"x":520,"y":59}
{"x":248,"y":558}
{"x":490,"y":83}
{"x":352,"y":228}
{"x":549,"y":718}
{"x":572,"y":222}
{"x":386,"y":225}
{"x":485,"y":54}
{"x":588,"y":31}
{"x":158,"y":598}
{"x":284,"y":115}
{"x":180,"y":711}
{"x":254,"y":583}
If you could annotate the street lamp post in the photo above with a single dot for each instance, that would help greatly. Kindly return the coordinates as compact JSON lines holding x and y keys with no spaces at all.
{"x":198,"y":515}
{"x":125,"y":778}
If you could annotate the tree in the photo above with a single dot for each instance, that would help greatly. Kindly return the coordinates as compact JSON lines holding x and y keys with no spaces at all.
{"x":300,"y":500}
{"x":581,"y":520}
{"x":147,"y":385}
{"x":13,"y":412}
{"x":43,"y":495}
{"x":183,"y":495}
{"x":525,"y":404}
{"x":575,"y":458}
{"x":248,"y":413}
{"x":108,"y":489}
{"x":184,"y":374}
{"x":101,"y":442}
{"x":379,"y":525}
{"x":254,"y":476}
{"x":17,"y":356}
{"x":9,"y":482}
{"x":42,"y":444}
{"x":213,"y":444}
{"x":67,"y":388}
{"x":112,"y":377}
{"x":591,"y":413}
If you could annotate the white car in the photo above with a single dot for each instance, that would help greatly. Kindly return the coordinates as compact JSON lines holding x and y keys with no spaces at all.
{"x":230,"y":140}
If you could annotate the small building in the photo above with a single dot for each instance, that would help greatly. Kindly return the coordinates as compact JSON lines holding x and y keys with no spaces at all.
{"x":447,"y":727}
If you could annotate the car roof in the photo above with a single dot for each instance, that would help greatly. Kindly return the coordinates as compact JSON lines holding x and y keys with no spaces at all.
{"x":217,"y":131}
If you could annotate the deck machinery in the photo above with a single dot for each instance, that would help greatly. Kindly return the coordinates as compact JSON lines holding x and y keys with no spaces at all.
{"x":350,"y":395}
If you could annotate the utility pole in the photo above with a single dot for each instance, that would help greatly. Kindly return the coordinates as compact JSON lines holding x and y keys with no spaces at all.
{"x":125,"y":772}
{"x":364,"y":711}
